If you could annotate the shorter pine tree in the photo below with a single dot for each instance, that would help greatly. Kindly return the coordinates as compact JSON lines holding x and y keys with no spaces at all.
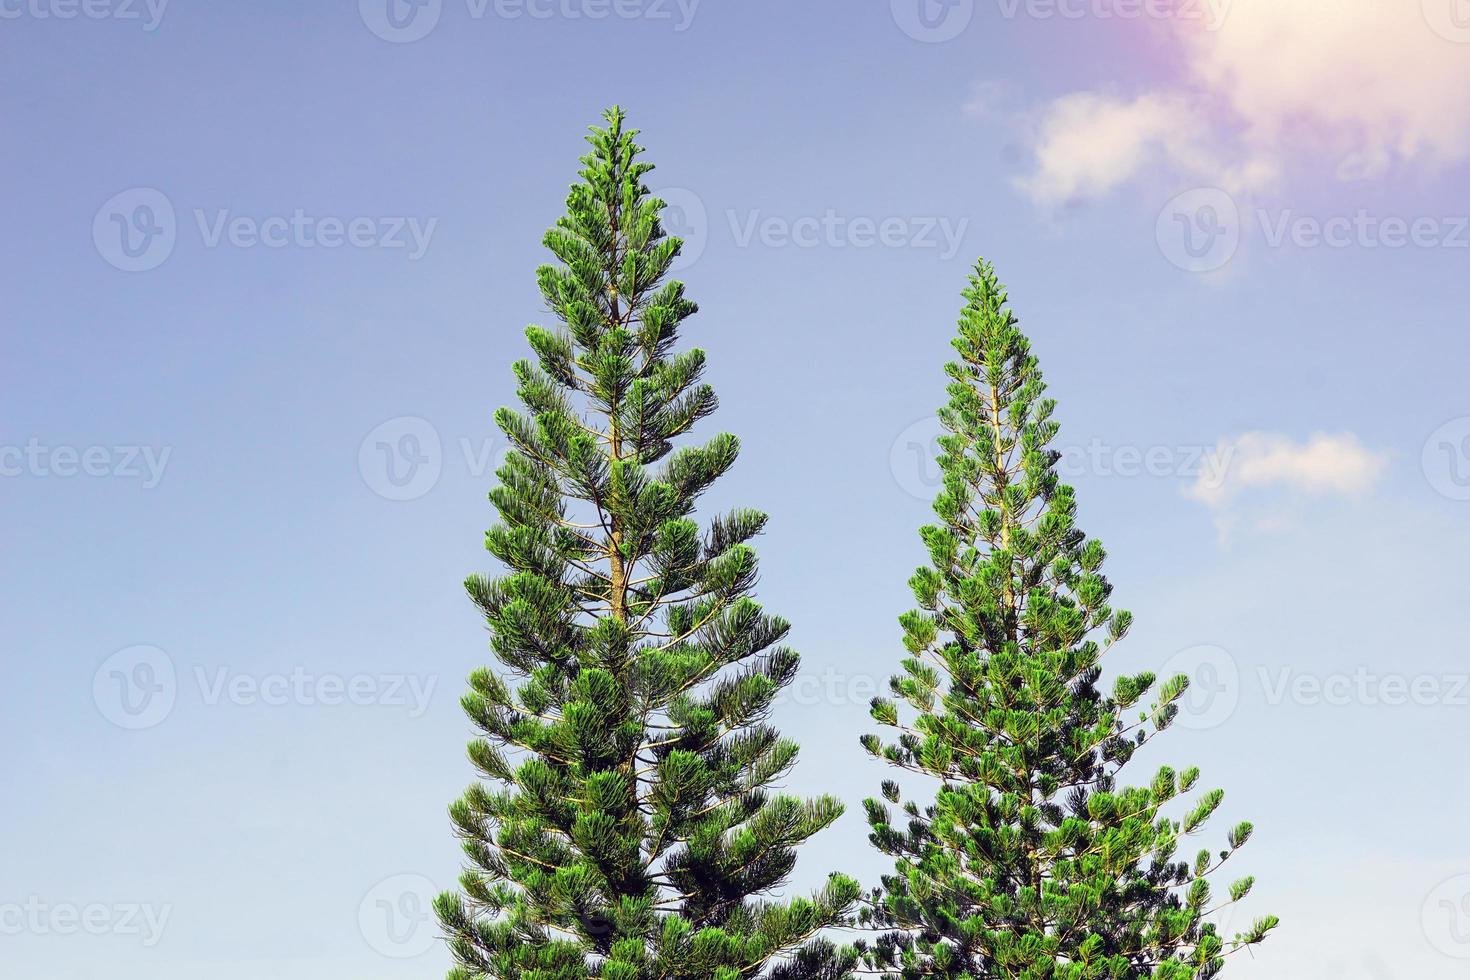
{"x":1032,"y":862}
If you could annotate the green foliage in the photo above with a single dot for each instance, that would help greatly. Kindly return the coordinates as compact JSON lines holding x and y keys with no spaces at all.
{"x":1033,"y":862}
{"x":627,"y":829}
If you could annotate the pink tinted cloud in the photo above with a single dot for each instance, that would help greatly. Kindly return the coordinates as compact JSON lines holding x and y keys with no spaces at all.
{"x":1351,"y":88}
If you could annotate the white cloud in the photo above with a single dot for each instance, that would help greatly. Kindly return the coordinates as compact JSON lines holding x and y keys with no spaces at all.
{"x":1364,"y":78}
{"x":986,"y":99}
{"x":1256,"y":463}
{"x":1088,"y":143}
{"x":1354,"y":86}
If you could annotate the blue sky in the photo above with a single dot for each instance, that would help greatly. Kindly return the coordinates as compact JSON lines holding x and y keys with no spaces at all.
{"x":245,"y":448}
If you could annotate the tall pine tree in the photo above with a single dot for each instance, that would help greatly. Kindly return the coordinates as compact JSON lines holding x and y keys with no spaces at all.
{"x":628,"y":830}
{"x":1033,"y":862}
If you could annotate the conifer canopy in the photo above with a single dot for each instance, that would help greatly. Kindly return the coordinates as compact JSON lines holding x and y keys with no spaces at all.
{"x":1033,"y":861}
{"x":625,"y":826}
